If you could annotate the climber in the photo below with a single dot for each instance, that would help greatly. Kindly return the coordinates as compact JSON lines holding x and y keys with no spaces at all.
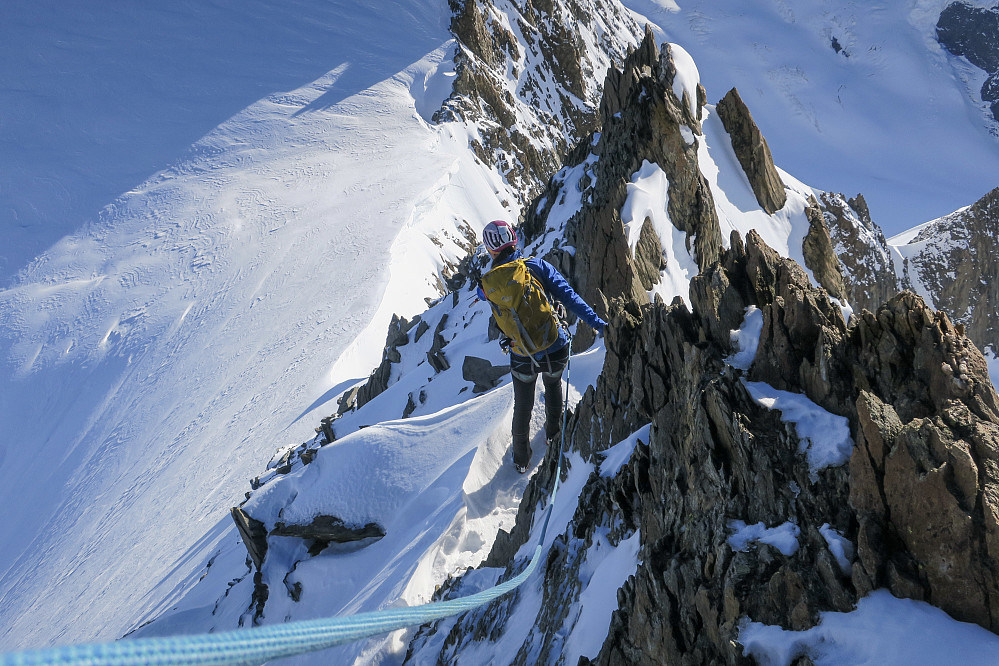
{"x":520,"y":292}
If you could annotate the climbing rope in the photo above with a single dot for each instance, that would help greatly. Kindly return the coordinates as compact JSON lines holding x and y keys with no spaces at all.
{"x":261,"y":644}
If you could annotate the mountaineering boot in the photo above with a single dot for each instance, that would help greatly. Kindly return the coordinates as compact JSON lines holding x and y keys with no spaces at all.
{"x":521,"y":469}
{"x":521,"y":451}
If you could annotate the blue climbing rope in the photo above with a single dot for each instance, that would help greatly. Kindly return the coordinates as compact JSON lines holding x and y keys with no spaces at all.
{"x":261,"y":644}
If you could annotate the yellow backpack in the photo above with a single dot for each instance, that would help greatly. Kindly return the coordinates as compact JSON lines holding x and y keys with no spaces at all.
{"x":521,"y":307}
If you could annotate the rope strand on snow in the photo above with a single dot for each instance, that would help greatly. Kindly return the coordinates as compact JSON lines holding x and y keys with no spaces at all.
{"x":261,"y":644}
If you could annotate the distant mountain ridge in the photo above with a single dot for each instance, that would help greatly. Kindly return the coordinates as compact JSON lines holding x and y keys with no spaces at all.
{"x":973,"y":32}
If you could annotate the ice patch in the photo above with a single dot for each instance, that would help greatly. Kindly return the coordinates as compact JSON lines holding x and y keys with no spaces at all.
{"x":618,"y":455}
{"x":648,"y":199}
{"x":844,"y":307}
{"x":611,"y":566}
{"x":840,"y":547}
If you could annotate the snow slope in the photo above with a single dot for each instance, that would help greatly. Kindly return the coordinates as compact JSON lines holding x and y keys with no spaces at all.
{"x":98,"y":97}
{"x":891,"y":115}
{"x":154,"y":360}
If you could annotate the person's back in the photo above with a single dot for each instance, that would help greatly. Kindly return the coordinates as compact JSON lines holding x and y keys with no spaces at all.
{"x":519,"y":291}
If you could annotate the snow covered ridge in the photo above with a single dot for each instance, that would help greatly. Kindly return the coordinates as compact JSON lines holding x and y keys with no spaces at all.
{"x":668,"y":447}
{"x":214,"y":312}
{"x":665,"y":509}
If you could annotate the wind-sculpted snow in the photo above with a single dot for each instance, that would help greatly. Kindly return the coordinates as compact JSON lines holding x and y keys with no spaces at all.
{"x":883,"y":630}
{"x":156,"y":359}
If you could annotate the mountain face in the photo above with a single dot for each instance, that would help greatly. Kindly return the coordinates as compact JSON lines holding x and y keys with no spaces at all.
{"x":973,"y":32}
{"x":900,"y":473}
{"x":950,"y":261}
{"x":865,"y":258}
{"x":910,"y":477}
{"x":528,"y":81}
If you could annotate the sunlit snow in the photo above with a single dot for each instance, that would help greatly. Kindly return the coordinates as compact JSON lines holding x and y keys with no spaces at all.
{"x":824,"y":437}
{"x":883,"y":630}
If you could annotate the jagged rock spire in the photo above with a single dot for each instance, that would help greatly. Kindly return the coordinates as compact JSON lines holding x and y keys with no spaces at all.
{"x":752,"y":151}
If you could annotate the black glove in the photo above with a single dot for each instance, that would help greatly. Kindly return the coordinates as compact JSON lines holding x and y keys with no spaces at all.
{"x":505,"y":344}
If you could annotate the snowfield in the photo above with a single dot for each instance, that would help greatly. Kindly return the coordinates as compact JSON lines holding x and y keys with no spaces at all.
{"x":156,"y":359}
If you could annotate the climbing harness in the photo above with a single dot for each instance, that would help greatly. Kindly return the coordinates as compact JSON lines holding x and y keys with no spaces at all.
{"x":261,"y":644}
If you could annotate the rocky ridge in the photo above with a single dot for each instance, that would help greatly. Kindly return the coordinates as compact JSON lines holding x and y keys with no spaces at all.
{"x":917,"y":496}
{"x":642,"y":120}
{"x":528,"y":81}
{"x":915,"y":492}
{"x":667,"y":369}
{"x":865,"y":259}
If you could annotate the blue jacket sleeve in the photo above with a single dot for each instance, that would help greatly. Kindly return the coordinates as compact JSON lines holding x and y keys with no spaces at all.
{"x":557,"y":286}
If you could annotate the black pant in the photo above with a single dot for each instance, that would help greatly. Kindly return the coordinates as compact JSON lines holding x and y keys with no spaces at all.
{"x":525,"y":377}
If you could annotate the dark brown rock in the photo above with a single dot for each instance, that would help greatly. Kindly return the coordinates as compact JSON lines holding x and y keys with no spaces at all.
{"x":752,"y":151}
{"x":819,"y":254}
{"x":329,"y":529}
{"x":924,"y":472}
{"x":397,"y":336}
{"x":643,"y":121}
{"x":253,"y":533}
{"x":649,"y":261}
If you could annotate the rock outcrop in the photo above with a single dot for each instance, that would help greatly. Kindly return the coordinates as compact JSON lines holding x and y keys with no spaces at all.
{"x":642,"y":120}
{"x":752,"y":151}
{"x":820,"y":256}
{"x":325,"y":530}
{"x":865,"y":260}
{"x":917,"y":495}
{"x":527,"y":122}
{"x":973,"y":32}
{"x":397,"y":336}
{"x":483,"y":374}
{"x":253,"y":533}
{"x":319,"y":533}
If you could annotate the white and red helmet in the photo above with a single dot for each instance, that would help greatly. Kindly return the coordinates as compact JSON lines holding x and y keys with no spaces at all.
{"x":498,"y":235}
